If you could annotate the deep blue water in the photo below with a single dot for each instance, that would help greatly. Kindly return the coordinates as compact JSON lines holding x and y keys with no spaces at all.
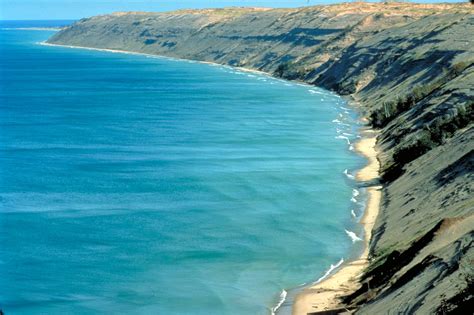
{"x":32,"y":23}
{"x":143,"y":185}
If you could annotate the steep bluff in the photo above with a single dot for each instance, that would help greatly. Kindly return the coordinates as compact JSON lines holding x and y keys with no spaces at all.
{"x":409,"y":69}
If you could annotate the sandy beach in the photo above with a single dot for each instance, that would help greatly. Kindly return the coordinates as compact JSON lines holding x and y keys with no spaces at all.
{"x":324,"y":295}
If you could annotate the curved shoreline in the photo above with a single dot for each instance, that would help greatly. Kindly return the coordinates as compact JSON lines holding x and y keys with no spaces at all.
{"x":344,"y":280}
{"x":127,"y":52}
{"x":164,"y":57}
{"x":422,"y":140}
{"x":325,"y":295}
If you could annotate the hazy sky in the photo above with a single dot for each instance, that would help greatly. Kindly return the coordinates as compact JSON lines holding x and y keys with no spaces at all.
{"x":74,"y":9}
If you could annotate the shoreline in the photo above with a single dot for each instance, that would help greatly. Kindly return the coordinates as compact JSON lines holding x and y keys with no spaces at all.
{"x":324,"y":295}
{"x":371,"y":36}
{"x":243,"y":69}
{"x":331,"y":285}
{"x":127,"y":52}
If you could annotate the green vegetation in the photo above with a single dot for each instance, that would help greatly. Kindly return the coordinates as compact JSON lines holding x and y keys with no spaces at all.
{"x":289,"y":70}
{"x":392,"y":108}
{"x":431,"y":136}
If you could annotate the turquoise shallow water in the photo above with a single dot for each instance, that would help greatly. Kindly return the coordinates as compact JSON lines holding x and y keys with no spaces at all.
{"x":144,"y":185}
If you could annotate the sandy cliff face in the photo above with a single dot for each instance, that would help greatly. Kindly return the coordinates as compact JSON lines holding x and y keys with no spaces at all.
{"x":410,"y":69}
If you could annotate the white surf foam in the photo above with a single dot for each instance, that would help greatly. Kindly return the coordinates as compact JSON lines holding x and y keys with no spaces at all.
{"x":340,"y":123}
{"x":314,"y":91}
{"x":355,"y":193}
{"x":345,"y":138}
{"x":353,"y":213}
{"x":328,"y":272}
{"x":283,"y":295}
{"x":349,"y":175}
{"x":353,"y":236}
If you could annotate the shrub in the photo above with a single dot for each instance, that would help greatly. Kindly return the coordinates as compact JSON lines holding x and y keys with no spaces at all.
{"x":459,"y":67}
{"x":282,"y":69}
{"x":431,"y":136}
{"x":392,"y":108}
{"x":289,"y":70}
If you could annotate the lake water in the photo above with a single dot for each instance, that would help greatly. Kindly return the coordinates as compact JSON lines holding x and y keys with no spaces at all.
{"x":139,"y":185}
